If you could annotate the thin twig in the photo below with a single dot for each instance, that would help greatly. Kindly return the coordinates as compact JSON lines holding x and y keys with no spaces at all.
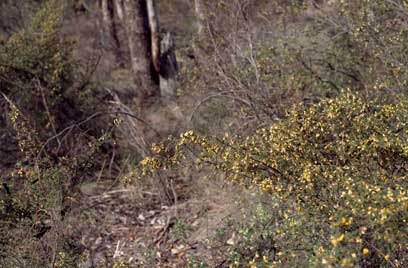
{"x":89,"y":118}
{"x":221,"y":94}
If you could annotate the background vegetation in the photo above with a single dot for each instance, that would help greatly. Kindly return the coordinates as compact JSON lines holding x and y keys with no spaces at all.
{"x":288,"y":140}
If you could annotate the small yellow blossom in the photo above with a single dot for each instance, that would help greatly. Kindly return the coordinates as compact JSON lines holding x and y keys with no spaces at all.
{"x":265,"y":259}
{"x":346,"y":222}
{"x":337,"y":240}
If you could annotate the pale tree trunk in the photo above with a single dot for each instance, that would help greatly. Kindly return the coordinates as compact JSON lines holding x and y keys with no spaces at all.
{"x":199,"y":41}
{"x":139,"y":41}
{"x":153,"y":61}
{"x":119,"y":9}
{"x":105,"y":23}
{"x":163,"y":55}
{"x":154,"y":34}
{"x":200,"y":17}
{"x":105,"y":13}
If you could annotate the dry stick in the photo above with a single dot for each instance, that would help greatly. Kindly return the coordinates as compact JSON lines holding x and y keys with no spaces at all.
{"x":399,"y":6}
{"x":175,"y":197}
{"x":47,"y":111}
{"x":69,"y":128}
{"x":217,"y":56}
{"x":131,"y":127}
{"x":111,"y":163}
{"x":222,"y":94}
{"x":100,"y":172}
{"x":11,"y":103}
{"x":222,"y":72}
{"x":89,"y":118}
{"x":230,"y":78}
{"x":252,"y":59}
{"x":8,"y":100}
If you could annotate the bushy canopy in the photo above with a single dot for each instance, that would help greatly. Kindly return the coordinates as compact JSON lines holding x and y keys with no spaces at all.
{"x":337,"y":171}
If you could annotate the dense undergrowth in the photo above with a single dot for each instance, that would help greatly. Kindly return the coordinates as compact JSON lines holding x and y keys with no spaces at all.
{"x":302,"y":103}
{"x":45,"y":103}
{"x":317,"y":118}
{"x":337,"y":173}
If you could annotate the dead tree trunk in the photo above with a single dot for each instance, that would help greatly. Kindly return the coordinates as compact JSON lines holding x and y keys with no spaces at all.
{"x":153,"y":61}
{"x":169,"y":67}
{"x":139,"y":41}
{"x":163,"y":55}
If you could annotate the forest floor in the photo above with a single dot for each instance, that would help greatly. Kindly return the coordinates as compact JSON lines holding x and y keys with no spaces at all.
{"x":124,"y":224}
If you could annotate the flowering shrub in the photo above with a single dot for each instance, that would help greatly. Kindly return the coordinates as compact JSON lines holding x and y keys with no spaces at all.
{"x":38,"y":192}
{"x":339,"y":170}
{"x":37,"y":59}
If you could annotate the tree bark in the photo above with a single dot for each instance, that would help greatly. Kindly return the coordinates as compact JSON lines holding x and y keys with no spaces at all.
{"x":119,"y":9}
{"x":106,"y":19}
{"x":168,"y":67}
{"x":200,"y":17}
{"x":139,"y":41}
{"x":110,"y":38}
{"x":155,"y":34}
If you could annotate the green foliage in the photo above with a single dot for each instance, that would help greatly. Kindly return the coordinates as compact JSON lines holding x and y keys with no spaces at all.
{"x":37,"y":58}
{"x":252,"y":242}
{"x":36,"y":77}
{"x":194,"y":262}
{"x":38,"y":194}
{"x":180,"y":229}
{"x":337,"y":170}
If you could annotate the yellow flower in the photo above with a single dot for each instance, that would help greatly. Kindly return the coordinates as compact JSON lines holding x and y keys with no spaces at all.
{"x":365,"y":251}
{"x":252,"y":264}
{"x":265,"y":259}
{"x":346,"y":222}
{"x":337,"y":240}
{"x":346,"y":262}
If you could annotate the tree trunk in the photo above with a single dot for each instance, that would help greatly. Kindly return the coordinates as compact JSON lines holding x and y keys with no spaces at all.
{"x":163,"y":55}
{"x":110,"y":38}
{"x":168,"y":67}
{"x":139,"y":41}
{"x":200,"y":18}
{"x":155,"y":34}
{"x":119,"y":9}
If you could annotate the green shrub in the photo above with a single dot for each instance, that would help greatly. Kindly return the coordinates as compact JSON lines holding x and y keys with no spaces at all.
{"x":37,"y":60}
{"x":37,"y":82}
{"x":337,"y":170}
{"x":252,"y":243}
